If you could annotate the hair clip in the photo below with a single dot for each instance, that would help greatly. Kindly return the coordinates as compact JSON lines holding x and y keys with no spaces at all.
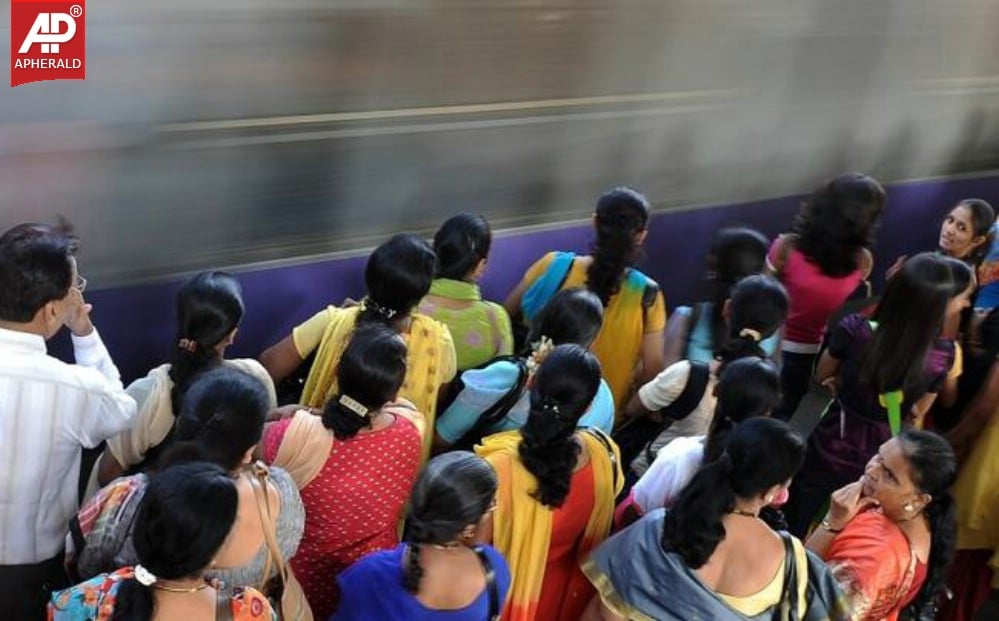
{"x":549,"y":405}
{"x":751,"y":333}
{"x":539,"y":351}
{"x":187,"y":345}
{"x":144,"y":576}
{"x":353,"y":405}
{"x":387,"y":313}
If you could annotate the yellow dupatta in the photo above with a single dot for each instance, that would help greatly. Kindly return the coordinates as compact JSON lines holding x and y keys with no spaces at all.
{"x":430,"y":362}
{"x":522,"y":526}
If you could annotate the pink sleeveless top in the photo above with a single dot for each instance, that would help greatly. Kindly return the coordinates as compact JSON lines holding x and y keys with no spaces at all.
{"x":814,"y":297}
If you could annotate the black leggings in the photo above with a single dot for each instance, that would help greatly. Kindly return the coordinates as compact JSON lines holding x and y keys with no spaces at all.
{"x":795,"y":379}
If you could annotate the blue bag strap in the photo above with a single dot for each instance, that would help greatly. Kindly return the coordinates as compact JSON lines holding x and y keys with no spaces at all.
{"x":547,"y":285}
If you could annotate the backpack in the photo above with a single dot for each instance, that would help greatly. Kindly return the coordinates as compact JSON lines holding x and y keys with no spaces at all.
{"x":99,"y":530}
{"x":639,"y":433}
{"x":498,"y":410}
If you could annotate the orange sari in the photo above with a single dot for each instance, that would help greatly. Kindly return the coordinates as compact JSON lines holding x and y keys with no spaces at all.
{"x":875,"y":566}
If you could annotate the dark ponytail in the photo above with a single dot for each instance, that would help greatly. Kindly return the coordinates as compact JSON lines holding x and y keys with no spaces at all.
{"x":182,"y":521}
{"x":453,"y":491}
{"x":734,"y":253}
{"x":413,"y":572}
{"x":398,"y":274}
{"x":209,"y":308}
{"x":621,"y":215}
{"x":460,"y":244}
{"x":222,"y":418}
{"x":133,"y":602}
{"x":693,"y":527}
{"x":564,"y":387}
{"x":370,"y":372}
{"x":747,"y":388}
{"x":758,"y":309}
{"x":934,"y":469}
{"x":761,"y":453}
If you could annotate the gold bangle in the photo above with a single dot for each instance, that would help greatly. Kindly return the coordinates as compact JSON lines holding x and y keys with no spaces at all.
{"x":827,"y":526}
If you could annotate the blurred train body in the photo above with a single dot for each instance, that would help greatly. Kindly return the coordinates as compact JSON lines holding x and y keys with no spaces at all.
{"x":233,"y":133}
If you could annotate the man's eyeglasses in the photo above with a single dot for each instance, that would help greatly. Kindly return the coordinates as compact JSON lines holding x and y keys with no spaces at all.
{"x":80,"y":284}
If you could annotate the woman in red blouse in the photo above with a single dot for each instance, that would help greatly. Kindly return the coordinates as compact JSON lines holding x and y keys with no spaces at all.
{"x":355,"y":465}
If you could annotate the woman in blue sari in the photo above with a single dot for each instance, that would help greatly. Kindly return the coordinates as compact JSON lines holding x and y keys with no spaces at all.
{"x":711,"y":556}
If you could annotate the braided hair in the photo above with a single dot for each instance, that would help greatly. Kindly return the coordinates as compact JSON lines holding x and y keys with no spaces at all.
{"x":621,"y":215}
{"x":453,"y":491}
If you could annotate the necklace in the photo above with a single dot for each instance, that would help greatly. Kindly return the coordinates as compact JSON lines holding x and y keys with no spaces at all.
{"x":744,"y":513}
{"x":447,"y":547}
{"x":194,"y":589}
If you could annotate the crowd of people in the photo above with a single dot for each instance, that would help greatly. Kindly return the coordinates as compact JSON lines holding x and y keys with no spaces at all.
{"x":567,"y":455}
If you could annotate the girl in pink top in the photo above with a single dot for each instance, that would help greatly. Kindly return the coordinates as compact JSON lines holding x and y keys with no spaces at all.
{"x":821,"y":263}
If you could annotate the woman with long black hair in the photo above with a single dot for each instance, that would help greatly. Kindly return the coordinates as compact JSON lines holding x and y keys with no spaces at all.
{"x":221,"y":422}
{"x":355,"y":464}
{"x":557,"y":486}
{"x":747,"y":388}
{"x":398,"y":274}
{"x":209,"y":309}
{"x":183,"y":521}
{"x":573,"y":316}
{"x":695,"y":332}
{"x":635,"y":312}
{"x":886,"y":371}
{"x":480,"y":328}
{"x":752,"y":313}
{"x":711,"y":556}
{"x":437,"y":573}
{"x":821,"y":263}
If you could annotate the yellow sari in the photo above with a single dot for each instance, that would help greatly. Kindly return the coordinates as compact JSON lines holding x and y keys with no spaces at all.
{"x":618,"y":345}
{"x":522,"y":526}
{"x":430,"y":362}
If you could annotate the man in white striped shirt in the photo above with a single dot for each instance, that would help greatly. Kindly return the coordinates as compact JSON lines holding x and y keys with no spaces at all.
{"x":49,"y":410}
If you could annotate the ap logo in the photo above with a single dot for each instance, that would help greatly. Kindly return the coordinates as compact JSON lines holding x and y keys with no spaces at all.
{"x":47,"y":41}
{"x":49,"y":31}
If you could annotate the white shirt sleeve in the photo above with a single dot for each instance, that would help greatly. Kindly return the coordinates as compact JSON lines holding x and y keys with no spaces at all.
{"x":664,"y":388}
{"x":108,"y":409}
{"x":90,"y":351}
{"x":674,"y":467}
